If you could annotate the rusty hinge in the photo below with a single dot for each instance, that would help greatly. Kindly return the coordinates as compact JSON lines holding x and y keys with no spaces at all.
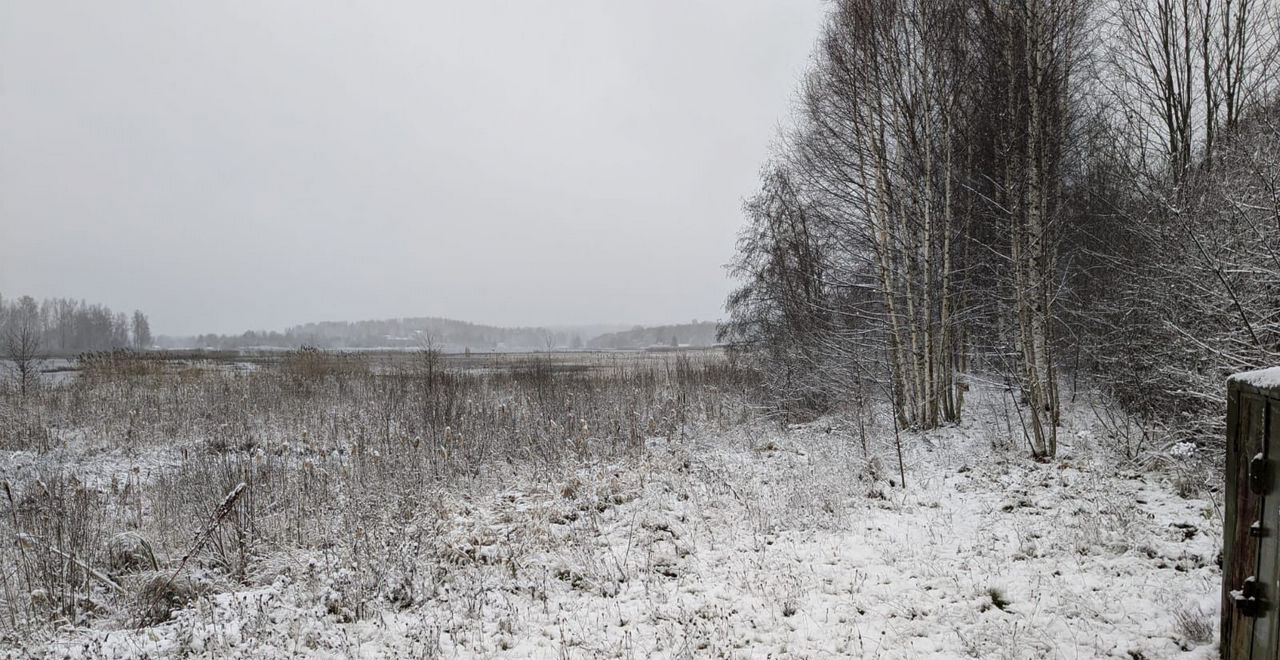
{"x":1249,"y":601}
{"x":1258,"y":477}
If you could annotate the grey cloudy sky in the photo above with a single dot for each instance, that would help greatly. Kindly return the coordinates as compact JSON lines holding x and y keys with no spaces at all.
{"x":255,"y":164}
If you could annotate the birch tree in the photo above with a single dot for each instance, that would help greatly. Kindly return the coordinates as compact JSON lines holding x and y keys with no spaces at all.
{"x":887,"y":121}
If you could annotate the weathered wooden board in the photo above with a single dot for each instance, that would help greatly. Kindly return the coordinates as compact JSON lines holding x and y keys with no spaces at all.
{"x":1251,"y":543}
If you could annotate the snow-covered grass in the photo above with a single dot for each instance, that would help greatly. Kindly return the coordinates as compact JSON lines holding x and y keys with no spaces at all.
{"x":728,"y":542}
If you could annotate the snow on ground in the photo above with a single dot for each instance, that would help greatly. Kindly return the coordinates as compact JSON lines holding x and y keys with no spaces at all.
{"x":92,"y":463}
{"x":749,"y":543}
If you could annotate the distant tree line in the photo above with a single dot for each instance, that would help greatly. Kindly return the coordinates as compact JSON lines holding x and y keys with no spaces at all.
{"x":454,"y":336}
{"x":683,"y":334}
{"x":62,"y":326}
{"x":1029,"y":190}
{"x":442,"y":334}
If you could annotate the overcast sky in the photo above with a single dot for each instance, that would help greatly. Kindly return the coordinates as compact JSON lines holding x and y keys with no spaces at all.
{"x":255,"y":164}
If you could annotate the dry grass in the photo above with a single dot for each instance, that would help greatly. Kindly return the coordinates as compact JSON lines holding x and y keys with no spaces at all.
{"x":129,"y":553}
{"x":309,"y":366}
{"x":108,"y":366}
{"x":1194,"y":624}
{"x":23,"y":427}
{"x":334,"y":452}
{"x":56,"y":525}
{"x":157,"y":594}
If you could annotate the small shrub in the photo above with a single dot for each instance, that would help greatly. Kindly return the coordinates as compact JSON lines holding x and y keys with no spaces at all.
{"x":130,"y":552}
{"x":1188,"y":486}
{"x":1193,"y":623}
{"x":157,"y":595}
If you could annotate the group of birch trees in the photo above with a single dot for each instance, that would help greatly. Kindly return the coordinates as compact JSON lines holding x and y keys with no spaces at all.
{"x":988,"y":190}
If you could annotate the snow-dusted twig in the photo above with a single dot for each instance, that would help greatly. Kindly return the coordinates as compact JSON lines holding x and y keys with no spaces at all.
{"x":203,"y":537}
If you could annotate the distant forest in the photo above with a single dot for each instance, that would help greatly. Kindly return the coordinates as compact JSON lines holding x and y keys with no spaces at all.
{"x":453,"y":336}
{"x":61,"y":326}
{"x":686,"y":334}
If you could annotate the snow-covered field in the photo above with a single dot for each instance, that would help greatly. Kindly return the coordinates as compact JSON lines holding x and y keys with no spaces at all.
{"x":747,"y":542}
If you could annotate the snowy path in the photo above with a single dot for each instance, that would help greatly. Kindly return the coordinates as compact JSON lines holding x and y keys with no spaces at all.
{"x":799,"y":560}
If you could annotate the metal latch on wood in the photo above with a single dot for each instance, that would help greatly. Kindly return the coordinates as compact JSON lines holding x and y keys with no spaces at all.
{"x":1249,"y":600}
